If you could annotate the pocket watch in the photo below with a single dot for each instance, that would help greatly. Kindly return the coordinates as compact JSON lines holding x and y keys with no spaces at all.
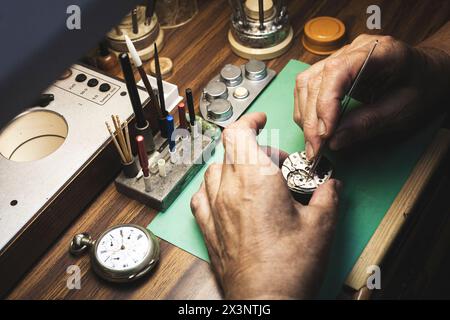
{"x":122,"y":253}
{"x":295,"y":170}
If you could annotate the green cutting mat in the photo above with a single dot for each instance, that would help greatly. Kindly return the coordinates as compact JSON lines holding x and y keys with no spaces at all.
{"x":372,"y":178}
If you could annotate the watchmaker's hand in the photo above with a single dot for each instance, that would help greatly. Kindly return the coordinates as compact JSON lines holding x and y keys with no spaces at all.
{"x":262,"y":243}
{"x":399,"y":85}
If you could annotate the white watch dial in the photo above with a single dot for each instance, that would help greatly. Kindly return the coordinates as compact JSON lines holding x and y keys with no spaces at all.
{"x":122,"y":248}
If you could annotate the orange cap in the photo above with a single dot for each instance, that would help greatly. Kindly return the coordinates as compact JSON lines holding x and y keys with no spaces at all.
{"x":323,"y":35}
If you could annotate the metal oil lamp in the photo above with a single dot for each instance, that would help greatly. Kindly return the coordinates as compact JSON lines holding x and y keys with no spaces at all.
{"x":260,"y":29}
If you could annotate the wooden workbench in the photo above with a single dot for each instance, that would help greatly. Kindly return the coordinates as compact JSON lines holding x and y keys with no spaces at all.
{"x":199,"y":50}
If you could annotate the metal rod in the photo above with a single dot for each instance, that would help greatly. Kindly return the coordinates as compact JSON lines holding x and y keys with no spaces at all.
{"x":182,"y":115}
{"x":149,"y":11}
{"x":132,"y":90}
{"x":170,"y":129}
{"x":134,"y":21}
{"x":190,"y":104}
{"x":261,"y":14}
{"x":159,"y":82}
{"x":142,"y":155}
{"x":138,"y":63}
{"x":162,"y":119}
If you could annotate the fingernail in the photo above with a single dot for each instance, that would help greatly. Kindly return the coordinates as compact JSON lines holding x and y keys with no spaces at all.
{"x":322,"y":127}
{"x":309,"y":150}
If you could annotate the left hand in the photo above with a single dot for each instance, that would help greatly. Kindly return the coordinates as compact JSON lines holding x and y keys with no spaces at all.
{"x":262,"y":243}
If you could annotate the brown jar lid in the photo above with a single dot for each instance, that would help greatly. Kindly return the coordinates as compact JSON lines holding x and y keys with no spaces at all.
{"x":323,"y":35}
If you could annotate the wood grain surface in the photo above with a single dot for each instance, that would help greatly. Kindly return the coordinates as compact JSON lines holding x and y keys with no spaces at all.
{"x":199,"y":49}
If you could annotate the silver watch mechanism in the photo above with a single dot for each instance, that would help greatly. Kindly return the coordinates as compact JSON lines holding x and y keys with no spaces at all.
{"x":296,"y":170}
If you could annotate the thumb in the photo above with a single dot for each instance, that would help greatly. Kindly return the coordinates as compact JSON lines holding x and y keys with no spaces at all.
{"x":321,"y":212}
{"x":326,"y":196}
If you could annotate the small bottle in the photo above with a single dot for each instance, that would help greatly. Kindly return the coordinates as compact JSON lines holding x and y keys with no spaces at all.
{"x":106,"y":60}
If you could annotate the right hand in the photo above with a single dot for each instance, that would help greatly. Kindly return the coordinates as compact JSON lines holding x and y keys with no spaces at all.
{"x":399,"y":82}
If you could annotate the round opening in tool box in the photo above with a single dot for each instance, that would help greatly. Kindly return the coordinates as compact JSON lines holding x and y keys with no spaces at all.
{"x":33,"y":135}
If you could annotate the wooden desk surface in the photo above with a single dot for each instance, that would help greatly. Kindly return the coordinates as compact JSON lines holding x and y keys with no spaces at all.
{"x":199,"y":50}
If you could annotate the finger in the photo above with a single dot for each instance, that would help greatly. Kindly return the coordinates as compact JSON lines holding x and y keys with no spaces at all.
{"x":297,"y":114}
{"x":301,"y":93}
{"x":306,"y":105}
{"x":312,"y":139}
{"x":367,"y":121}
{"x":337,"y":53}
{"x":201,"y":209}
{"x":254,"y":121}
{"x":212,"y":181}
{"x":338,"y":75}
{"x":199,"y":204}
{"x":239,"y":139}
{"x":322,"y":211}
{"x":301,"y":90}
{"x":363,"y":40}
{"x":329,"y":98}
{"x":306,"y":95}
{"x":247,"y":127}
{"x":326,"y":196}
{"x":302,"y":99}
{"x":303,"y":77}
{"x":276,"y":155}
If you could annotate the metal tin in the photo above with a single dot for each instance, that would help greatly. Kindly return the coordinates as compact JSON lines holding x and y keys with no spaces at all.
{"x":220,"y":110}
{"x":256,"y":78}
{"x":255,"y":70}
{"x":216,"y":90}
{"x":231,"y":75}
